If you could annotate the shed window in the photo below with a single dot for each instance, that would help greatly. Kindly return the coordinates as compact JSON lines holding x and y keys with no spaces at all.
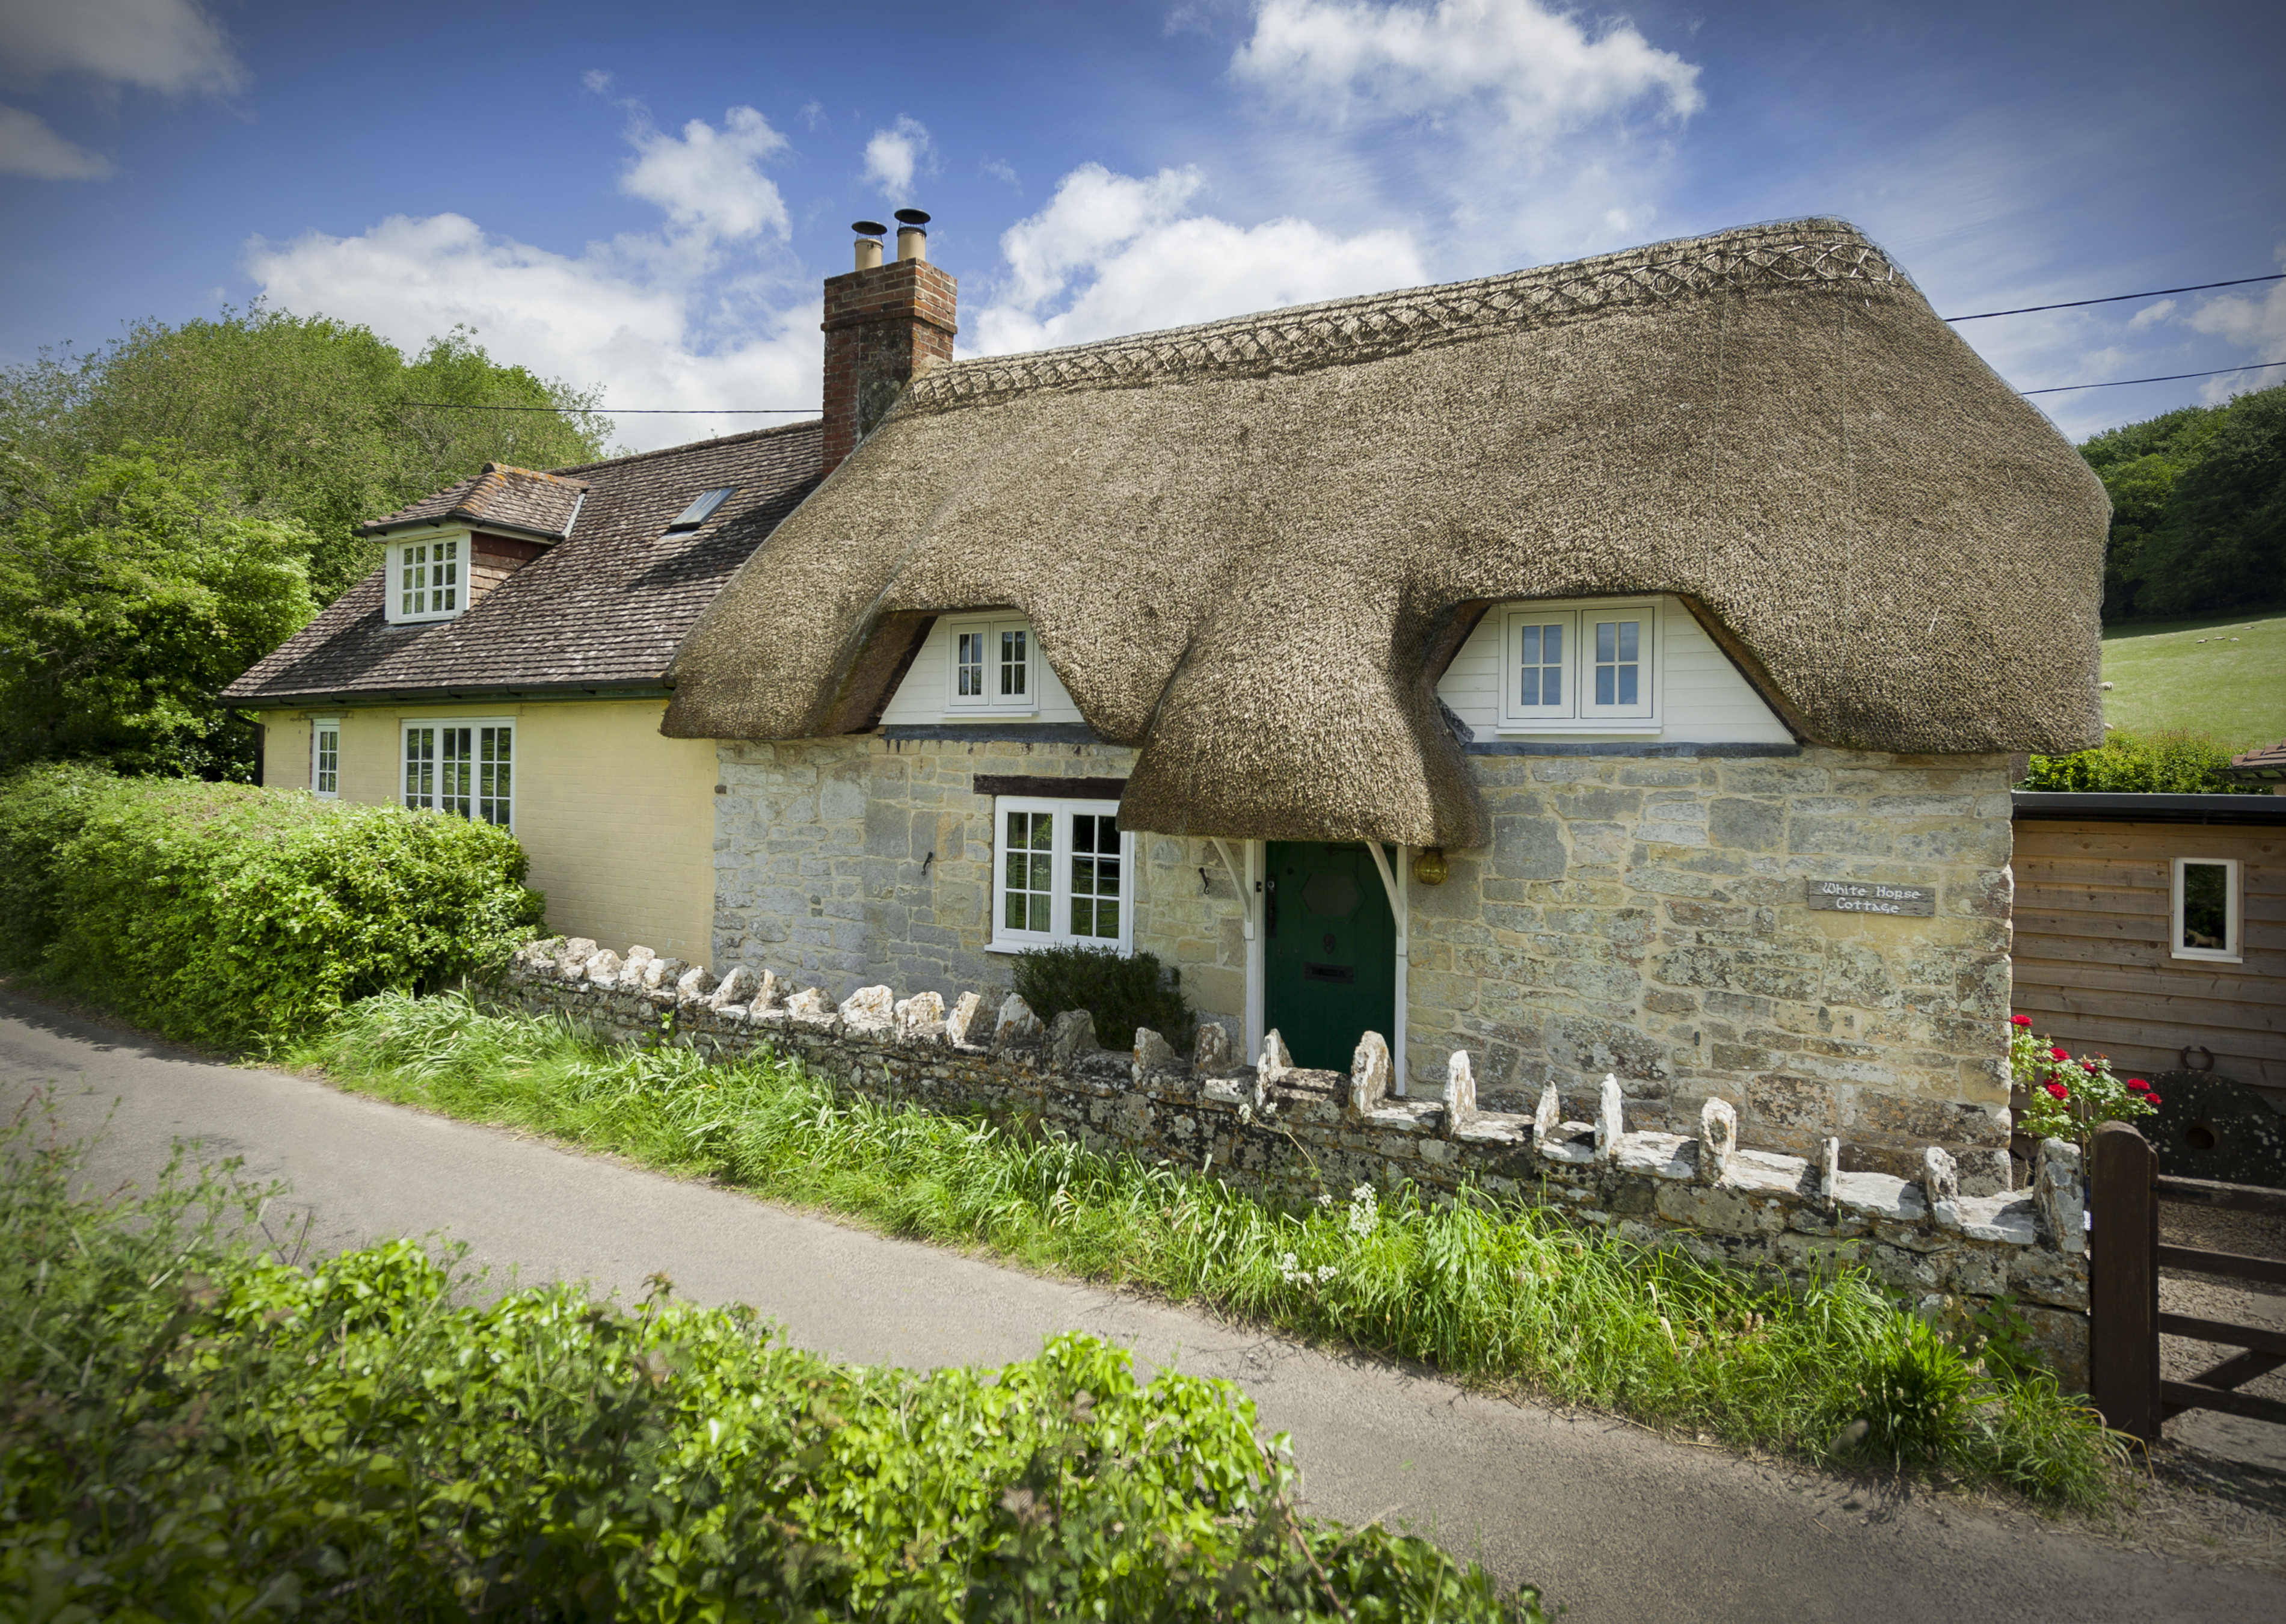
{"x":992,"y":666}
{"x":325,"y":757}
{"x":1063,"y":875}
{"x":1587,"y":669}
{"x":463,"y":768}
{"x":2206,"y":922}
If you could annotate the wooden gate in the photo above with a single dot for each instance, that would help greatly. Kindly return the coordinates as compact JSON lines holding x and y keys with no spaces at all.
{"x":2124,"y":1190}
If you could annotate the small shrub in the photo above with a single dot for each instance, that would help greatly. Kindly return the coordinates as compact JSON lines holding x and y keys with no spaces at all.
{"x":1122,"y":993}
{"x":2175,"y":762}
{"x":229,"y":915}
{"x":196,"y":1430}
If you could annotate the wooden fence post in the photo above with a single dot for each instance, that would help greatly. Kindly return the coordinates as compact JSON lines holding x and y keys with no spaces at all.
{"x":2123,"y":1281}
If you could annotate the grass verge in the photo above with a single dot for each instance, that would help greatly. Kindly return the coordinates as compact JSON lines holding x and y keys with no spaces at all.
{"x":1501,"y":1296}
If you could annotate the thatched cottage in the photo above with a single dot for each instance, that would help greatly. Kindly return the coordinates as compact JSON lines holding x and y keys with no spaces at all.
{"x":1609,"y":667}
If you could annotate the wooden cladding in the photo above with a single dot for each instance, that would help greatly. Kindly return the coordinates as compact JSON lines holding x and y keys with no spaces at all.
{"x":2094,"y":915}
{"x":493,"y":559}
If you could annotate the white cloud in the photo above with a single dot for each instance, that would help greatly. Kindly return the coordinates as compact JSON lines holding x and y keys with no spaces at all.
{"x":658,"y":319}
{"x":1541,"y":71}
{"x":167,"y":45}
{"x":706,"y":182}
{"x":596,"y":81}
{"x":29,"y":147}
{"x":2151,"y":315}
{"x":895,"y":155}
{"x":2257,"y":321}
{"x":1114,"y":254}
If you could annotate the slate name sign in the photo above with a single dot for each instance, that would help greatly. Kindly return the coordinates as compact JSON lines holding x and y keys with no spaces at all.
{"x":1870,"y":896}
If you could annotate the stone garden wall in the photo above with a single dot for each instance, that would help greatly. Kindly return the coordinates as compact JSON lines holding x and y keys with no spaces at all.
{"x":1291,"y":1134}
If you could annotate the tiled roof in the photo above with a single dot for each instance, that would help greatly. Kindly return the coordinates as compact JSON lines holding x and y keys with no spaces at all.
{"x":2268,"y":762}
{"x":605,"y":609}
{"x":508,"y":498}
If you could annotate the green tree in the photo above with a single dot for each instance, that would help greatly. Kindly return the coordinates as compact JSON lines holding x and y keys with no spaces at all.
{"x":2198,"y":508}
{"x":302,"y":417}
{"x":127,"y":599}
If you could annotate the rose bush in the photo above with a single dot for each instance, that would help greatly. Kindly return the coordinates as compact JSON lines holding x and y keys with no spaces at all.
{"x":2069,"y":1096}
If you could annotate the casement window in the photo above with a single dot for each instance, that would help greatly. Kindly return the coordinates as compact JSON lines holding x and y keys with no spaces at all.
{"x":2205,"y":916}
{"x":1591,"y":668}
{"x":992,"y":667}
{"x":325,"y":757}
{"x":463,"y":768}
{"x":427,"y":580}
{"x":1062,"y":875}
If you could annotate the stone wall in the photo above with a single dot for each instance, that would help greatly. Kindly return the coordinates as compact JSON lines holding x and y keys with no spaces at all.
{"x":1293,"y":1134}
{"x":1639,"y":913}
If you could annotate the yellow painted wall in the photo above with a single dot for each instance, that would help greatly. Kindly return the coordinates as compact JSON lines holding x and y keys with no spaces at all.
{"x":618,"y":821}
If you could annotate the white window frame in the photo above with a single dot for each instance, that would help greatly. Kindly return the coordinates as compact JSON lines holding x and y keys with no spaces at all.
{"x":2233,"y":951}
{"x":1578,"y":710}
{"x":325,"y":776}
{"x":1005,"y":939}
{"x":442,"y":796}
{"x":454,"y":591}
{"x":994,"y":630}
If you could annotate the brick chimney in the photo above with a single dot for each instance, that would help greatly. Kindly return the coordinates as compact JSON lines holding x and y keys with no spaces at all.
{"x":885,"y":325}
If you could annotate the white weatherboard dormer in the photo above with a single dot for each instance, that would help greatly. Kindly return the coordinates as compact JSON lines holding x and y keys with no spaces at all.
{"x":985,"y":667}
{"x":427,"y":577}
{"x":1585,"y":669}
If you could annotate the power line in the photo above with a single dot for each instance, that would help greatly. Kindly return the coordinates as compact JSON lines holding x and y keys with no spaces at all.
{"x":2065,"y":388}
{"x":2116,"y":297}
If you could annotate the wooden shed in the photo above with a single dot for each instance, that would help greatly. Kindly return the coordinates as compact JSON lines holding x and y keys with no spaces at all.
{"x":2152,"y":928}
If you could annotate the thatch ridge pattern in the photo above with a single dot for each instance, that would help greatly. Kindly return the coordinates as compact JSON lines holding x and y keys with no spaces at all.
{"x":1340,"y":331}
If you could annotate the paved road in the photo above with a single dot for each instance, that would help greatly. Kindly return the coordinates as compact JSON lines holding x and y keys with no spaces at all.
{"x":1612,"y":1523}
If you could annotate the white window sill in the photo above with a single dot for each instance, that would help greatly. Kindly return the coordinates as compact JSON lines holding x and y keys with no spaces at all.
{"x":425,"y":619}
{"x":992,"y":716}
{"x":1582,"y":731}
{"x":1097,"y":943}
{"x":2205,"y":956}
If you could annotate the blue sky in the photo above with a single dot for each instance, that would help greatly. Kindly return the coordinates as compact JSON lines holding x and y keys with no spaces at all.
{"x":644,"y":198}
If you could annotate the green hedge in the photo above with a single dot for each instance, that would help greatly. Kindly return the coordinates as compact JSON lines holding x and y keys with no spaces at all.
{"x":195,"y":1432}
{"x":2169,"y":763}
{"x":1121,"y":991}
{"x":230,"y":915}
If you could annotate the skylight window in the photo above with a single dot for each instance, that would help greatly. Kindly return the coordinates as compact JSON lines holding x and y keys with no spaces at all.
{"x":700,"y":510}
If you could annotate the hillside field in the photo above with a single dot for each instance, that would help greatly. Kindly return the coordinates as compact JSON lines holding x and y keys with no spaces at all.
{"x":2221,"y":675}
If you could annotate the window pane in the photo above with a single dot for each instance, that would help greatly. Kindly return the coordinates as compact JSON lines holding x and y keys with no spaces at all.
{"x":453,"y":771}
{"x":1627,"y":684}
{"x":1083,"y":916}
{"x":1543,"y":655}
{"x":972,"y":663}
{"x":1028,"y":874}
{"x":420,"y":766}
{"x":492,"y":775}
{"x":1603,"y":685}
{"x":1531,"y":645}
{"x":2206,"y":906}
{"x":1012,"y":663}
{"x":1604,"y":639}
{"x":1619,"y":669}
{"x":1551,"y":685}
{"x":1629,"y":631}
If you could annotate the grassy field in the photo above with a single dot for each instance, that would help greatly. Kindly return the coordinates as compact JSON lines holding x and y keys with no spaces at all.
{"x":2223,"y":676}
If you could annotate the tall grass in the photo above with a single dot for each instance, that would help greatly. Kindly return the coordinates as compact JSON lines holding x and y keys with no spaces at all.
{"x":1506,"y":1296}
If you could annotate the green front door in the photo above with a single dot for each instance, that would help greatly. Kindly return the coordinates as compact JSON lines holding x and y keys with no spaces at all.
{"x":1329,"y":958}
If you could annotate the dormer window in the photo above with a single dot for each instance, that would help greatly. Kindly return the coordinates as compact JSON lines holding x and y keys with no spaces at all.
{"x":992,"y":667}
{"x":428,"y":580}
{"x":701,"y":509}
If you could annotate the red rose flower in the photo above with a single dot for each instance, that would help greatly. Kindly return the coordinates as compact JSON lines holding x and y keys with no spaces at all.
{"x":2153,"y":1099}
{"x":2059,"y":1091}
{"x":2058,"y":1054}
{"x":2137,"y":1085}
{"x":2087,"y":1065}
{"x":2020,"y":1020}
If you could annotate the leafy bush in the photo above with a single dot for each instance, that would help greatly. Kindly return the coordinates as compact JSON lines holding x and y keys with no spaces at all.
{"x":1122,"y":993}
{"x":189,"y":1430}
{"x":2169,"y":763}
{"x":229,"y":915}
{"x":1488,"y":1291}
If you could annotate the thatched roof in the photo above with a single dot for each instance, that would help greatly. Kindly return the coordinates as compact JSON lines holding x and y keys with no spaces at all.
{"x":1250,"y":547}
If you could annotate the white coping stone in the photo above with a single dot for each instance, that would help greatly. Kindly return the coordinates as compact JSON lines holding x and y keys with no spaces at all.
{"x":1152,"y":1052}
{"x":639,"y":955}
{"x":1611,"y":1117}
{"x":1397,"y":1119}
{"x":922,"y":1010}
{"x":1767,"y":1170}
{"x":1495,"y":1128}
{"x":603,"y":967}
{"x":869,"y":1009}
{"x":1880,"y":1195}
{"x":571,"y":958}
{"x":1211,"y":1054}
{"x":808,"y":1005}
{"x":1017,"y":1021}
{"x":657,"y":972}
{"x":1718,"y":1139}
{"x":1549,"y":1117}
{"x":2056,"y":1192}
{"x":1572,"y":1141}
{"x":962,"y":1021}
{"x":1370,"y":1070}
{"x":1228,"y":1090}
{"x":740,"y":986}
{"x":2010,"y":1216}
{"x":1459,"y":1090}
{"x":1663,"y":1156}
{"x":1830,"y":1169}
{"x":697,"y":983}
{"x":1276,"y":1060}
